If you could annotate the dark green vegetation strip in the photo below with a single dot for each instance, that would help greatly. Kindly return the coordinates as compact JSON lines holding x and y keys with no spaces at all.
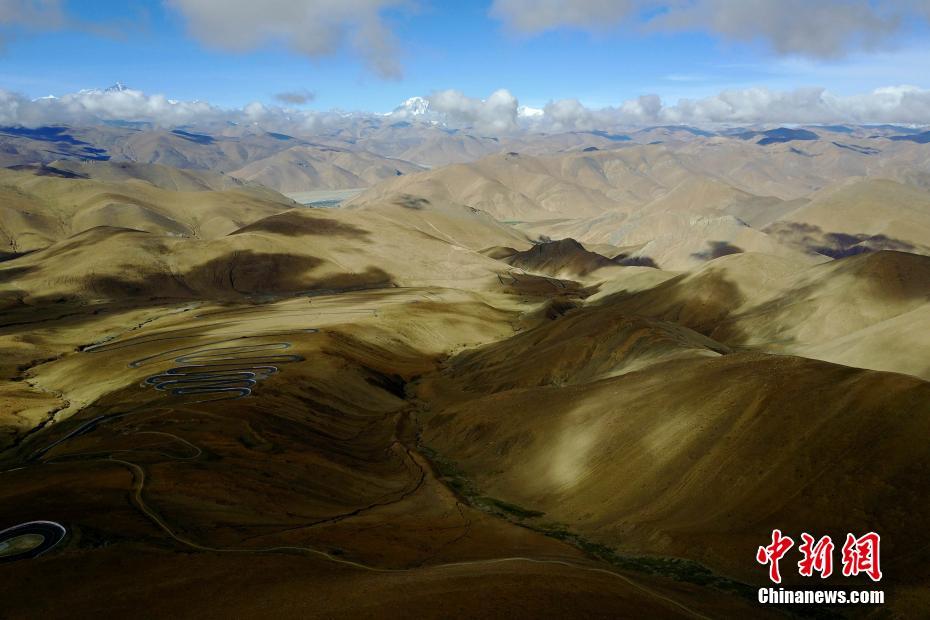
{"x":679,"y":569}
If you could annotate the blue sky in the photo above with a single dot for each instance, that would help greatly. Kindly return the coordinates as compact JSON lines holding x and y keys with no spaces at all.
{"x":441,"y":45}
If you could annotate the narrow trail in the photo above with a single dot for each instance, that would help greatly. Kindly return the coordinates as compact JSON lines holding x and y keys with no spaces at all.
{"x":137,"y":498}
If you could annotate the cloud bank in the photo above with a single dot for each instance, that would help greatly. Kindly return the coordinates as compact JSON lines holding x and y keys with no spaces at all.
{"x":820,"y":29}
{"x":501,"y":112}
{"x":895,"y":104}
{"x":498,"y":114}
{"x":90,"y":107}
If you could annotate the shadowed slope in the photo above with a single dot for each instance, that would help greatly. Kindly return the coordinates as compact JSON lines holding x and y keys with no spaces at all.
{"x":781,"y":306}
{"x":700,"y":457}
{"x":565,"y":257}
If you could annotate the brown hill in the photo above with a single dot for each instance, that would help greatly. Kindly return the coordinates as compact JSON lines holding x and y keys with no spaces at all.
{"x":565,"y":257}
{"x":303,"y":168}
{"x":287,"y":253}
{"x":39,"y":209}
{"x":860,"y":215}
{"x":508,"y":187}
{"x":163,"y":177}
{"x":785,"y":306}
{"x":694,"y":201}
{"x":698,"y":457}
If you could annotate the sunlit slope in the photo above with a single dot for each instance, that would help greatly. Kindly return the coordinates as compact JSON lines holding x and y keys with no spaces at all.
{"x":164,"y":177}
{"x":582,"y":346}
{"x":715,"y":173}
{"x":195,"y":149}
{"x":292,"y":252}
{"x":304,"y":168}
{"x":898,"y":344}
{"x":863,"y":214}
{"x":695,"y":201}
{"x":793,"y":170}
{"x":427,"y":144}
{"x":708,"y":196}
{"x":462,"y":226}
{"x":508,"y":187}
{"x":39,"y":209}
{"x":681,"y":241}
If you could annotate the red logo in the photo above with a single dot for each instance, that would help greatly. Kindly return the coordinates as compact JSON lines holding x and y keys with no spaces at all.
{"x":773,"y":553}
{"x":860,"y":555}
{"x":817,"y":557}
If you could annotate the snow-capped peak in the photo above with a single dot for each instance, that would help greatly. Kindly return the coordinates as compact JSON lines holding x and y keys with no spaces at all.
{"x":525,"y":111}
{"x":415,"y":106}
{"x":119,"y":87}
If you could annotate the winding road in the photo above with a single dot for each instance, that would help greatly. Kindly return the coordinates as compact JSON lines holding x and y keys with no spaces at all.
{"x":229,"y":372}
{"x":29,"y":540}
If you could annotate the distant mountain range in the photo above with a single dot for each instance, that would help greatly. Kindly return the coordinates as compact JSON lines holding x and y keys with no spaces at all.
{"x":361,"y":152}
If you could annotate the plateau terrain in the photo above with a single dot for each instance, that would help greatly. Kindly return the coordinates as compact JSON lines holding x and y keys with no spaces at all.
{"x":585,"y":376}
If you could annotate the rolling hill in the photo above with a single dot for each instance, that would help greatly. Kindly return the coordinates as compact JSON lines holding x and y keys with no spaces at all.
{"x":39,"y":209}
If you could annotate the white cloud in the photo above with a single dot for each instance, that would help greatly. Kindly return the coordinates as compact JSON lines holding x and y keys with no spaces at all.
{"x":646,"y":109}
{"x":499,"y":113}
{"x":900,"y":104}
{"x":496,"y":114}
{"x":125,"y":104}
{"x":89,"y":106}
{"x":311,"y":27}
{"x":572,"y":115}
{"x":897,"y":104}
{"x":821,"y":28}
{"x":568,"y":115}
{"x":525,"y":111}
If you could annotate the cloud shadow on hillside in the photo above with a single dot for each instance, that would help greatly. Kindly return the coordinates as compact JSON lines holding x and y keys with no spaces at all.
{"x":812,"y":238}
{"x":716,"y":250}
{"x":294,"y":224}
